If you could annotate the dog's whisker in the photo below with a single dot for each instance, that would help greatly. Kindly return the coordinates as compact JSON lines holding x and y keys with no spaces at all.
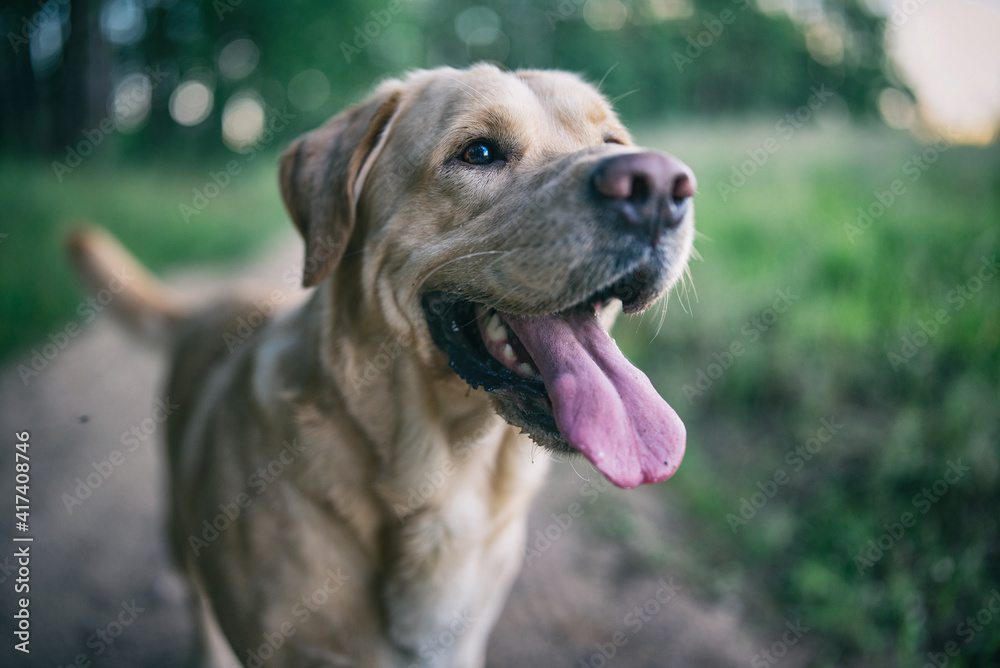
{"x":606,"y":76}
{"x":613,"y":100}
{"x":694,"y":289}
{"x":684,"y":294}
{"x":482,"y":97}
{"x":426,"y":276}
{"x":663,"y":316}
{"x":572,"y":465}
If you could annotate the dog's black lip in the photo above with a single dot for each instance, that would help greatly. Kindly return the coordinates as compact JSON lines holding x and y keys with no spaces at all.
{"x":453,"y":327}
{"x":452,"y":321}
{"x":632,"y":286}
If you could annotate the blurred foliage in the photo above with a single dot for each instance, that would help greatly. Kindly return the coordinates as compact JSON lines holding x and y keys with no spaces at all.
{"x":661,"y":58}
{"x":40,"y":295}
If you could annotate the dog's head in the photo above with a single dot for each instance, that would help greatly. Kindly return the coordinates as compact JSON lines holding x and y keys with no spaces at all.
{"x":500,"y":217}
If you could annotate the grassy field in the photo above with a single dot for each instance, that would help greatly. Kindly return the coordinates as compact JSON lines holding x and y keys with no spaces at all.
{"x":142,"y":207}
{"x":839,"y":384}
{"x":839,"y":379}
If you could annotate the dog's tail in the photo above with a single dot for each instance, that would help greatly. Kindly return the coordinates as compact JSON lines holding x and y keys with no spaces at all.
{"x":118,"y":282}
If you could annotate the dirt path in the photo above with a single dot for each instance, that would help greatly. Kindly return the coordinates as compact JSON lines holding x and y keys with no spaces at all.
{"x":102,"y":588}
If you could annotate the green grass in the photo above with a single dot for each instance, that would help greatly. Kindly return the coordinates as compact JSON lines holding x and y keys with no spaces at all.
{"x":827,"y":357}
{"x":141,"y":206}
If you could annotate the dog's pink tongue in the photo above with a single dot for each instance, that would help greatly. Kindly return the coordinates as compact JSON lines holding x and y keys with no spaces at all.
{"x":604,"y":407}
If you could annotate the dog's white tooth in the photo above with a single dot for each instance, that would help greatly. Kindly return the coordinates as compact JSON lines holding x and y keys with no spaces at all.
{"x":509,"y":354}
{"x":526,"y":370}
{"x":495,"y":328}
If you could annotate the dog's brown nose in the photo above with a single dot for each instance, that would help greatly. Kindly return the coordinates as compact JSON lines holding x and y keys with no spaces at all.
{"x":649,"y":190}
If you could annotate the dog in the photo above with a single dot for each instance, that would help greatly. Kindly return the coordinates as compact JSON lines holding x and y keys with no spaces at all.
{"x":350,"y":485}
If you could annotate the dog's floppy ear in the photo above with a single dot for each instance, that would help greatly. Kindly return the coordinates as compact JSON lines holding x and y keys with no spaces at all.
{"x":322,"y":173}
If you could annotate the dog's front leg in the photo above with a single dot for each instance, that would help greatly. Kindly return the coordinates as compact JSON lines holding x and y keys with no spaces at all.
{"x":455,"y":558}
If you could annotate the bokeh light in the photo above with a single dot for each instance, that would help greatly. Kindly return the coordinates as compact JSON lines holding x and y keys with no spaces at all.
{"x":238,"y":59}
{"x":605,"y":14}
{"x":191,"y":102}
{"x":825,"y":42}
{"x":123,"y":22}
{"x":242,"y":121}
{"x":131,"y":102}
{"x":665,"y":10}
{"x":477,"y":26}
{"x":896,"y":108}
{"x":47,"y":42}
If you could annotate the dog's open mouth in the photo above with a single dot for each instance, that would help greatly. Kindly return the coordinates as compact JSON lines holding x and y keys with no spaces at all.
{"x":562,"y":378}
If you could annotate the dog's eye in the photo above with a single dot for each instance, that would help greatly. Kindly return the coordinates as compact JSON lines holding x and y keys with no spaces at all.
{"x":481,"y":152}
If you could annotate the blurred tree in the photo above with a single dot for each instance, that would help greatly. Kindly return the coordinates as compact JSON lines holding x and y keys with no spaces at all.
{"x":68,"y":65}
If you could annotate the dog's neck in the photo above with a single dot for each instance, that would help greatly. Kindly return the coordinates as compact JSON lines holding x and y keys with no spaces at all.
{"x":418,"y":421}
{"x":445,"y":482}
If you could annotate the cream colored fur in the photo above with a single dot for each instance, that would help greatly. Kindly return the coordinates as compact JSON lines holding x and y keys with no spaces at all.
{"x":403,"y":497}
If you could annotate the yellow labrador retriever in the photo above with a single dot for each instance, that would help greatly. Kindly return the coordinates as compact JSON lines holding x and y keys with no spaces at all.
{"x":343,"y":490}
